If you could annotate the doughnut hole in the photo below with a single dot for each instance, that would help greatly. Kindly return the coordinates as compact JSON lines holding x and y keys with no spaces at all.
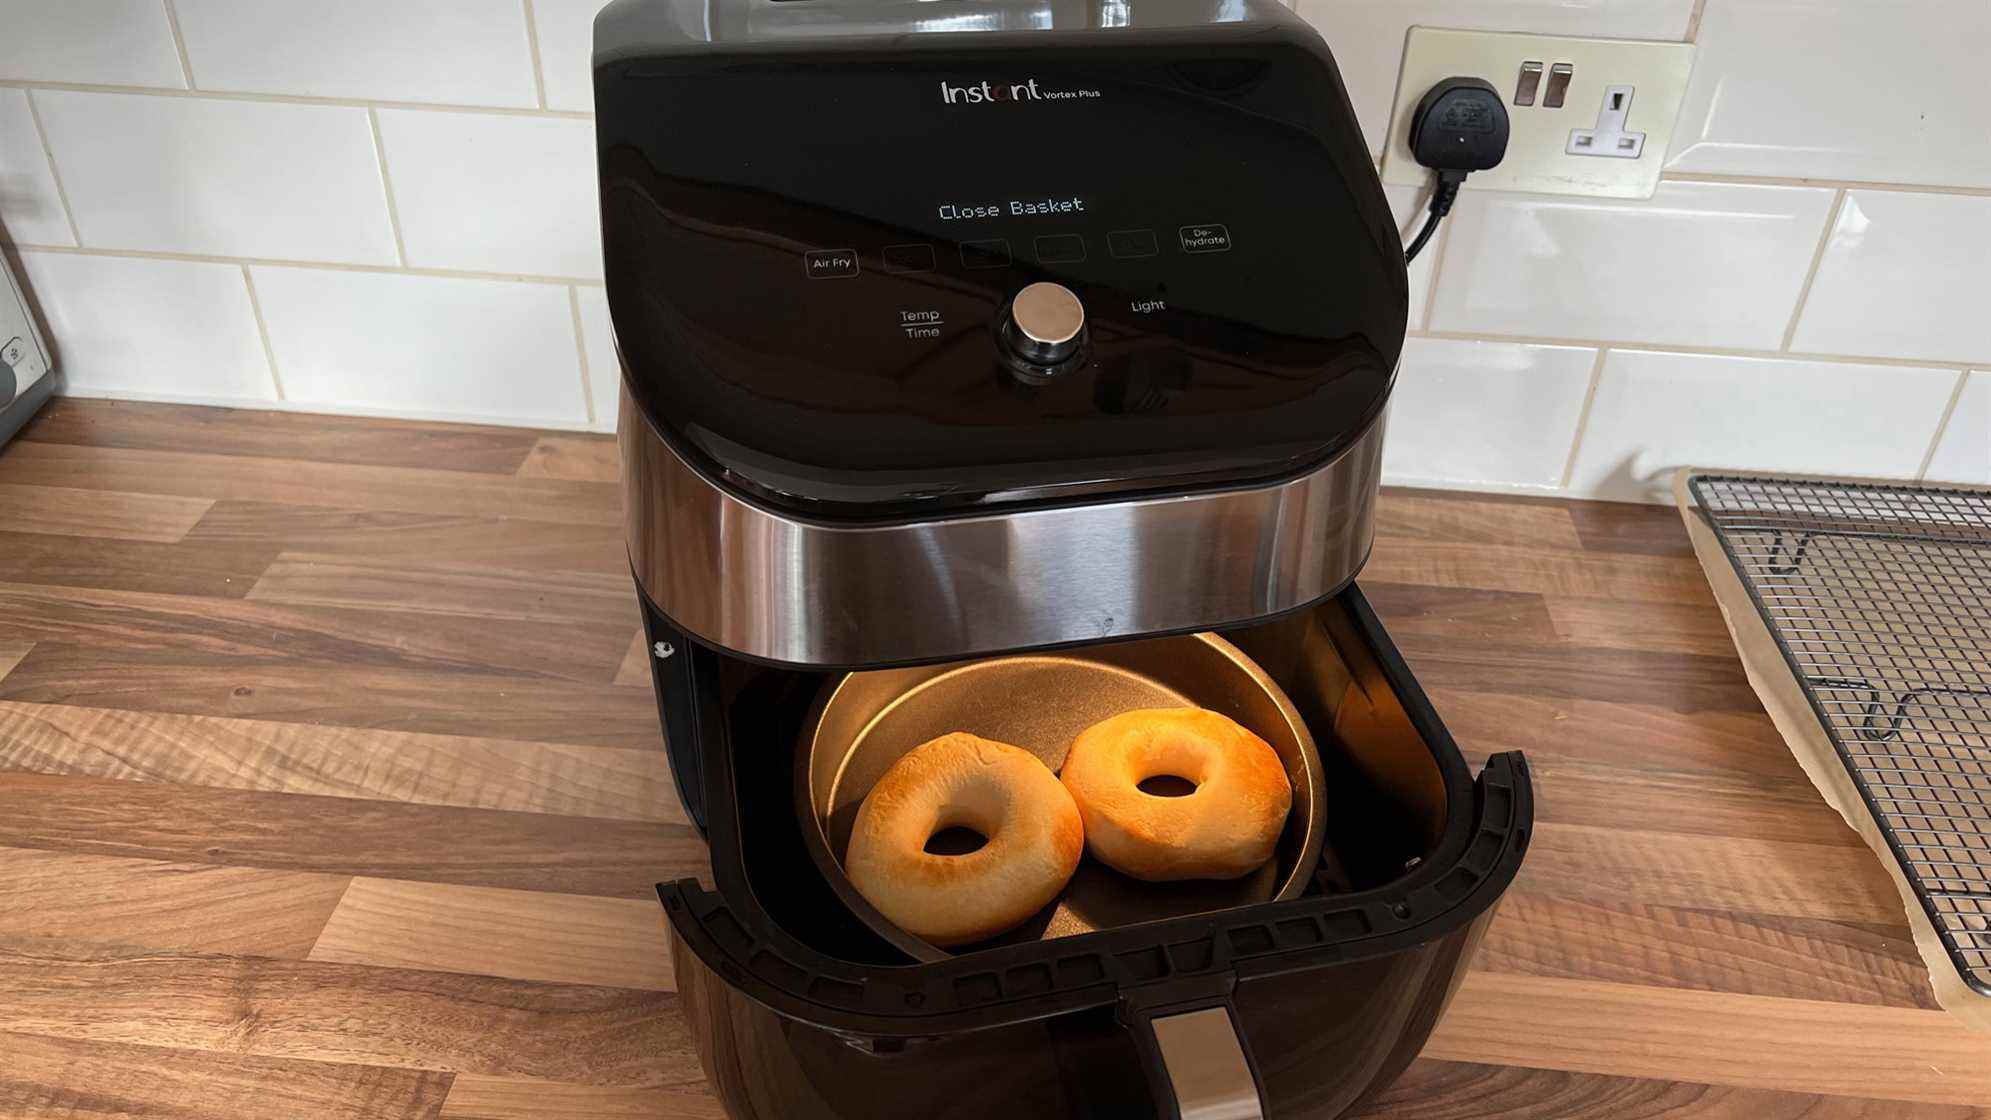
{"x":969,"y":820}
{"x":955,"y":840}
{"x":1170,"y":766}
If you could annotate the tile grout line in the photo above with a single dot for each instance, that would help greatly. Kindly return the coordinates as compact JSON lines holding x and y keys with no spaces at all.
{"x":1694,"y":19}
{"x":1944,"y":364}
{"x":180,"y":44}
{"x":1583,"y":417}
{"x":387,"y":187}
{"x":323,"y":266}
{"x":1811,"y":273}
{"x":294,"y":99}
{"x":54,"y":173}
{"x":1943,"y":425}
{"x":532,"y":47}
{"x":1820,"y":184}
{"x":263,"y":332}
{"x":581,"y":347}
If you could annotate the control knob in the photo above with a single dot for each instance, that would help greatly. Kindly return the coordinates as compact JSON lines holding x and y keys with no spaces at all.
{"x":1042,"y":332}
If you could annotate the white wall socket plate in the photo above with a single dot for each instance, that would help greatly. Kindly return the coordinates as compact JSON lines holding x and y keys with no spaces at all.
{"x":1581,"y":147}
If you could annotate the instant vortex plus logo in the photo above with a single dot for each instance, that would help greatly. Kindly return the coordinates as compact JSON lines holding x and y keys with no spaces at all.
{"x":991,"y":93}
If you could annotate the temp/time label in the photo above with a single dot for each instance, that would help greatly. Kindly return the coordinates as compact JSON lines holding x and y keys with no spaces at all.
{"x":1010,"y":208}
{"x":920,"y":323}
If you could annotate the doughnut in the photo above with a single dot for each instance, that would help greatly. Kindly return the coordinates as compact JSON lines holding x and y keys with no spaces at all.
{"x":1227,"y":828}
{"x":962,"y":781}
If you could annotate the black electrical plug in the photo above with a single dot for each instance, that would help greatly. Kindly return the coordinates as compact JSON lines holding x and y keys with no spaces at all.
{"x":1458,"y":127}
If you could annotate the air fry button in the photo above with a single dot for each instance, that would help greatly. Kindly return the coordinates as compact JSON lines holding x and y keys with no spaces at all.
{"x":829,"y":264}
{"x":1205,"y":239}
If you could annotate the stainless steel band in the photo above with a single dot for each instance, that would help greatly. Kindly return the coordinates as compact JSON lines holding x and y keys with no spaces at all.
{"x":767,"y":585}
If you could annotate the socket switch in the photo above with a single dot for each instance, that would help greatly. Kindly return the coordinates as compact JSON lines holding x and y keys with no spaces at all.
{"x":1587,"y":116}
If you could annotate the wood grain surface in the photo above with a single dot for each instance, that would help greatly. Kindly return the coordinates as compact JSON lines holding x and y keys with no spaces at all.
{"x":331,"y":786}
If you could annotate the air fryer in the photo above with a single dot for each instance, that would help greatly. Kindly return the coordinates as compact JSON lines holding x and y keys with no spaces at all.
{"x":957,"y":331}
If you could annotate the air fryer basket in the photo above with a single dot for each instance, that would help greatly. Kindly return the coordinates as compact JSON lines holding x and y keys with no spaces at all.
{"x":1040,"y":702}
{"x":800,"y":1011}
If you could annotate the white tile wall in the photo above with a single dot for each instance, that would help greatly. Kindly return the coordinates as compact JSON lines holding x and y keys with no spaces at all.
{"x":176,"y":330}
{"x":1366,"y":36}
{"x":1485,"y":415}
{"x":1840,"y":89}
{"x":30,"y":205}
{"x":423,"y":345}
{"x":493,"y":201}
{"x":1655,"y":412}
{"x":457,"y":177}
{"x":604,"y":367}
{"x":1904,"y":275}
{"x":566,"y":51}
{"x":1700,"y":264}
{"x":119,"y":42}
{"x":468,"y":52}
{"x":1964,"y":452}
{"x":229,"y":178}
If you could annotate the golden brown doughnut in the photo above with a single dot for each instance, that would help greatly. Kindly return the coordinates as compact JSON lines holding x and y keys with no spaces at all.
{"x":961,"y":781}
{"x":1225,"y":829}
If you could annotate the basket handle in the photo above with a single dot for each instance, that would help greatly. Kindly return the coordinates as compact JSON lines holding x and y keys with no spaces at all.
{"x":1197,"y":1068}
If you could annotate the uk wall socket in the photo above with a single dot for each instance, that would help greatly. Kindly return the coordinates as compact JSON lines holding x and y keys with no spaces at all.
{"x":1587,"y":116}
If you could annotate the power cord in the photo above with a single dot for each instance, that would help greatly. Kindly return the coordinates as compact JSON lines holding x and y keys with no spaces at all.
{"x":1458,"y":127}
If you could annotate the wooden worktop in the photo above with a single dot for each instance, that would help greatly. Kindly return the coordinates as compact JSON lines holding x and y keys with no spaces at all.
{"x":331,"y":786}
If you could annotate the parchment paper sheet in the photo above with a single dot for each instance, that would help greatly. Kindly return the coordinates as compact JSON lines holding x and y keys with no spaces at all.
{"x":1784,"y":699}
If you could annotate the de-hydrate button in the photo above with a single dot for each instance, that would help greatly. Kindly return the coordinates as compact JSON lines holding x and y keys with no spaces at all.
{"x":1209,"y":238}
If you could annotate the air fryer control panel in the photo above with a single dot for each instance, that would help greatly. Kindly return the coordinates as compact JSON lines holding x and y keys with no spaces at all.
{"x":874,"y":281}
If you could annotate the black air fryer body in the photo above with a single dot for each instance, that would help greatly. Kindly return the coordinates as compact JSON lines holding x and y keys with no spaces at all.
{"x":954,"y":329}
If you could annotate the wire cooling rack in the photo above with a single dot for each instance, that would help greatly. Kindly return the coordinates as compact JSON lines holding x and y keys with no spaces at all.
{"x":1880,"y":598}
